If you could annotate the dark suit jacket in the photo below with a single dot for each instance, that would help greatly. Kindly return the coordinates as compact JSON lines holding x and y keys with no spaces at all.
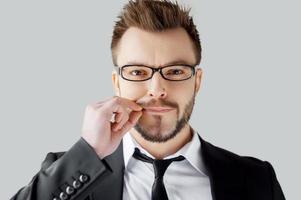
{"x":232,"y":177}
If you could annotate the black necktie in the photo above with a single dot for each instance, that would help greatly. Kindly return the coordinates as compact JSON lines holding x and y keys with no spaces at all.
{"x":160,"y":166}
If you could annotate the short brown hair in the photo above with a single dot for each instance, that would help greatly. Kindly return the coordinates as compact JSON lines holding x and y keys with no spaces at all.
{"x":156,"y":16}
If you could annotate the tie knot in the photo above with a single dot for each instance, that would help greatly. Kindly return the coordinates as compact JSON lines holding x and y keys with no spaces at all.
{"x":160,"y":166}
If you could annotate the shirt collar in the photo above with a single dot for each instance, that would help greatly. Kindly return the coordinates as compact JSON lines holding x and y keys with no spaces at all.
{"x":191,"y":151}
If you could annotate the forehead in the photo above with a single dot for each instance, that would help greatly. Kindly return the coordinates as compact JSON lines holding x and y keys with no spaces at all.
{"x":155,"y":48}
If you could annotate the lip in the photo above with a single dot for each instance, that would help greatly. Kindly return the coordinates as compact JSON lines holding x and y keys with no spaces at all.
{"x":158,"y":109}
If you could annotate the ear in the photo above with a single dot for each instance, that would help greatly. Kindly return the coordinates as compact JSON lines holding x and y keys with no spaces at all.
{"x":115,"y":82}
{"x":198,"y":78}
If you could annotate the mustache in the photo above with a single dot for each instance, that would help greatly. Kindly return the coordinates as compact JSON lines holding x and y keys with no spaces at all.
{"x":160,"y":103}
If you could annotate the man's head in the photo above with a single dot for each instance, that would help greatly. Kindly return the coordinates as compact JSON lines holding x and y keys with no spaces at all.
{"x":157,"y":34}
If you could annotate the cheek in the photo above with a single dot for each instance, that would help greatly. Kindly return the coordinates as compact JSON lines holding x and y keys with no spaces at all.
{"x":182,"y":95}
{"x":131,"y":90}
{"x":181,"y":92}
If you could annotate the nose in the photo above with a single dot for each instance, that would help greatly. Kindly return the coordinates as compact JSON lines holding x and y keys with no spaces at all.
{"x":156,"y":86}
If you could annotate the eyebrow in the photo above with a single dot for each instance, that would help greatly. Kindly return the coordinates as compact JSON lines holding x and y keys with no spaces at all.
{"x":175,"y":62}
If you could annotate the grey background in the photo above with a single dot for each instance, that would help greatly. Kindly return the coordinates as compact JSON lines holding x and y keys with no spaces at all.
{"x":55,"y":59}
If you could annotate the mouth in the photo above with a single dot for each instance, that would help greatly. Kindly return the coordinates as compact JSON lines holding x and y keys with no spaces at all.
{"x":158,"y":109}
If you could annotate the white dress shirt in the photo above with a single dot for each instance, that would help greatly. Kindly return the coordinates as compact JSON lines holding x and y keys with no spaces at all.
{"x":187,"y":179}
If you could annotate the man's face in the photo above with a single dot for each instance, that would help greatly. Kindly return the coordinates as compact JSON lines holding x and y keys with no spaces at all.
{"x":158,"y":49}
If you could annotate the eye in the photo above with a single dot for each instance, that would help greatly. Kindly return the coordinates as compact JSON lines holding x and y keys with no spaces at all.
{"x":137,"y":72}
{"x":175,"y":72}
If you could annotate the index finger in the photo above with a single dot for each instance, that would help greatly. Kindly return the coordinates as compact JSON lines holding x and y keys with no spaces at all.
{"x":129,"y":103}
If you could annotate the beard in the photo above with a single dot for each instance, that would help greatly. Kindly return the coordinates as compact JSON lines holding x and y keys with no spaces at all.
{"x":179,"y":124}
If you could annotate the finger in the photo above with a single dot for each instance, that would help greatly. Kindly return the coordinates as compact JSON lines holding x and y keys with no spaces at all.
{"x":127,"y":103}
{"x":118,"y":111}
{"x":118,"y":117}
{"x":120,"y":133}
{"x":121,"y":123}
{"x":134,"y":116}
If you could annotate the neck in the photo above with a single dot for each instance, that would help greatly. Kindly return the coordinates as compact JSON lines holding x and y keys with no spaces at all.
{"x":161,"y":150}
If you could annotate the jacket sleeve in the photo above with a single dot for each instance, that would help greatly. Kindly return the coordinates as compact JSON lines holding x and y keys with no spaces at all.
{"x":276,"y":188}
{"x":66,"y":175}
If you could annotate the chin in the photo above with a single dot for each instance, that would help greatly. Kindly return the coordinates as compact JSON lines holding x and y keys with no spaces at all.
{"x":155,"y":133}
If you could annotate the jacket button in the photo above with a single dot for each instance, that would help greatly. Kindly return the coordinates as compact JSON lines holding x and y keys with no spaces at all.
{"x":76,"y":184}
{"x":83,"y":178}
{"x":63,"y":196}
{"x":69,"y":190}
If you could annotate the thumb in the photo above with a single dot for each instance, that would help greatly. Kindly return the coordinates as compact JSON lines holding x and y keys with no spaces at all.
{"x":133,"y":118}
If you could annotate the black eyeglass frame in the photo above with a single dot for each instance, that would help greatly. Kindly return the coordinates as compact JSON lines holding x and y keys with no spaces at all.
{"x":159,"y":69}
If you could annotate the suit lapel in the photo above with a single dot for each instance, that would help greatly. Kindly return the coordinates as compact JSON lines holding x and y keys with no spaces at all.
{"x":226,"y":177}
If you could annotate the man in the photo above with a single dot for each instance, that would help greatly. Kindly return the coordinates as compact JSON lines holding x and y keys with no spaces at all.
{"x":139,"y":144}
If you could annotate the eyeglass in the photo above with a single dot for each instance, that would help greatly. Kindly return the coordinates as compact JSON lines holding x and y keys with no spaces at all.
{"x":178,"y":72}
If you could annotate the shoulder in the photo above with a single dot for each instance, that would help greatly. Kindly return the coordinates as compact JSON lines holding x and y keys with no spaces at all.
{"x":236,"y":161}
{"x":257,"y":176}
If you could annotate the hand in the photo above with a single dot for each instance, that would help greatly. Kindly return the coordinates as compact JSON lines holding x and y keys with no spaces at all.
{"x":103,"y":134}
